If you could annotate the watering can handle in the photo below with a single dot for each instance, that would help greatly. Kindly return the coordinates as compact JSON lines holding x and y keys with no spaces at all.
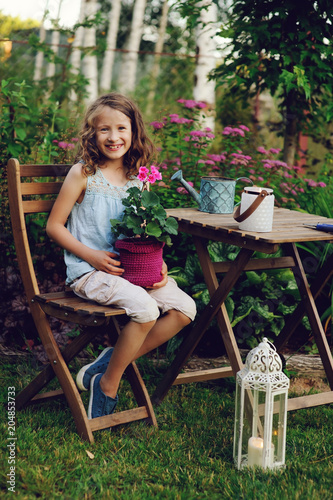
{"x":259,"y":199}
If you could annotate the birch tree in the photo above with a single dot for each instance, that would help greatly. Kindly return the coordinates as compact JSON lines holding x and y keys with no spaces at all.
{"x":111,"y":44}
{"x":204,"y":89}
{"x":40,"y":54}
{"x":129,"y":66}
{"x":55,"y":40}
{"x":89,"y":62}
{"x":76,"y":48}
{"x":158,"y":49}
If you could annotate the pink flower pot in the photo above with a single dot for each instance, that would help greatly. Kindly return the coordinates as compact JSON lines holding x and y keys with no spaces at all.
{"x":142,"y":260}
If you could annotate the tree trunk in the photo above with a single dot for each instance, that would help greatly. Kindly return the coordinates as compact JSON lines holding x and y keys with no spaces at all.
{"x":290,"y":134}
{"x":76,"y":50}
{"x":89,"y":63}
{"x":111,"y":44}
{"x":40,"y":54}
{"x":204,"y":89}
{"x":158,"y":49}
{"x":129,"y":67}
{"x":51,"y":67}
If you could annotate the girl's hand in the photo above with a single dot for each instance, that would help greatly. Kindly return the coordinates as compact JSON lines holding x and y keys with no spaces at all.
{"x":104,"y":261}
{"x":163,"y":282}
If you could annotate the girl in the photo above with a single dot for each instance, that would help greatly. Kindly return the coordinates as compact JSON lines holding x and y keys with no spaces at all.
{"x":113,"y":146}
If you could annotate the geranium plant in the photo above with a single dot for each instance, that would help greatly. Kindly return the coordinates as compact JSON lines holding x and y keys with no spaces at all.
{"x":144,"y":217}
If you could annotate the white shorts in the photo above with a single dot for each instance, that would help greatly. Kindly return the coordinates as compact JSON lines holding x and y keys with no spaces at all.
{"x":141,"y":305}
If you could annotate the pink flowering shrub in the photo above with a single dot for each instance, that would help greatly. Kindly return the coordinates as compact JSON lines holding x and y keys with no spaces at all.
{"x":184,"y":144}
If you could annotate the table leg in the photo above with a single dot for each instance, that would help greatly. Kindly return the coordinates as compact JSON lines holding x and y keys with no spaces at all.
{"x":191,"y":341}
{"x":222,"y":317}
{"x":323,"y":275}
{"x":309,"y":305}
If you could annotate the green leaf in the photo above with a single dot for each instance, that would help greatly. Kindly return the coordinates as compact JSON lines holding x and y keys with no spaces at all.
{"x":153,"y":229}
{"x":240,"y":318}
{"x":159,"y":213}
{"x":253,"y":277}
{"x":21,"y":133}
{"x":171,"y":225}
{"x":133,"y":221}
{"x":149,"y":199}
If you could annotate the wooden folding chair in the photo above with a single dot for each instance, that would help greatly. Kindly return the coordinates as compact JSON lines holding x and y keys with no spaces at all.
{"x":32,"y":189}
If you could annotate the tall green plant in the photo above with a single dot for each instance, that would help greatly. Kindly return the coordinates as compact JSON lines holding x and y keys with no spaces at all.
{"x":277,"y":45}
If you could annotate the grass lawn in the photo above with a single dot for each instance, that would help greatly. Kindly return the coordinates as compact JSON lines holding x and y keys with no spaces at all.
{"x":188,"y":457}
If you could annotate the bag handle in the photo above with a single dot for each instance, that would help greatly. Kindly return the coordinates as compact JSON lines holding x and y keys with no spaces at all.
{"x":249,"y":211}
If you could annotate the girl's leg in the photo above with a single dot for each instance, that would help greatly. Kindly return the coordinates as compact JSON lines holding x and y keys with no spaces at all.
{"x":164,"y":329}
{"x":177,"y":308}
{"x":135,"y":340}
{"x":130,"y":341}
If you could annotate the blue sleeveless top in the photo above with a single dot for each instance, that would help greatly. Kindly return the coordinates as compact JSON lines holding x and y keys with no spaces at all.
{"x":89,"y":221}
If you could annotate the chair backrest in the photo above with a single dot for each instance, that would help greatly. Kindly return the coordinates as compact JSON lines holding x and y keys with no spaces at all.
{"x":32,"y":189}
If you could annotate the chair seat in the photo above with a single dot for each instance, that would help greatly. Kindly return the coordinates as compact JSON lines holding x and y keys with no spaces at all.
{"x":68,"y":306}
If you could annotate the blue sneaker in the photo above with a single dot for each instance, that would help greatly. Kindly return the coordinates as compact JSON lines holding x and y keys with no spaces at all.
{"x":99,"y":403}
{"x":100,"y":364}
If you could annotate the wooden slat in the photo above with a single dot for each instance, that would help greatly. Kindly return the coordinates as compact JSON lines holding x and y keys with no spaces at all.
{"x":258,"y":264}
{"x":310,"y":400}
{"x":297,"y":403}
{"x":44,"y":170}
{"x":202,"y":375}
{"x":118,"y":418}
{"x":46,"y":297}
{"x":47,"y":396}
{"x":37,"y":206}
{"x":75,"y":304}
{"x":40,"y":187}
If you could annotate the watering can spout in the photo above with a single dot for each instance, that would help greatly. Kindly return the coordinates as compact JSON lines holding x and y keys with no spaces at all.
{"x":179,"y":177}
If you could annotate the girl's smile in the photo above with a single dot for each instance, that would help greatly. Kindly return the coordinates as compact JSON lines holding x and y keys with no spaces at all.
{"x":113,"y":133}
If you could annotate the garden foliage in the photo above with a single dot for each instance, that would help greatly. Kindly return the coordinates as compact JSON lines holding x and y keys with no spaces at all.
{"x":38,"y":130}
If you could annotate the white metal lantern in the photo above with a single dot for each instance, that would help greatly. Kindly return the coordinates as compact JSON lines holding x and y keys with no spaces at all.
{"x":261,"y":410}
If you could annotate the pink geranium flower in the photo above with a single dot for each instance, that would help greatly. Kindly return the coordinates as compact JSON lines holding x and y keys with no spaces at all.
{"x":152,"y":175}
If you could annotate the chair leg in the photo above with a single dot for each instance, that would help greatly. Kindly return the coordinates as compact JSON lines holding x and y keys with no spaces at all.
{"x":26,"y":396}
{"x":58,"y":368}
{"x":140,"y":392}
{"x":134,"y":377}
{"x":64,"y":376}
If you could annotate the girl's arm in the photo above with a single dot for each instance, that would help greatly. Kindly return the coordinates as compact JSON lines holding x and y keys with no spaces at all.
{"x":72,"y":190}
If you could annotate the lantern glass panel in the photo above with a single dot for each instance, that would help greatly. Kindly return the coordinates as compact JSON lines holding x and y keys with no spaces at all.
{"x":254,"y":426}
{"x":279,"y":426}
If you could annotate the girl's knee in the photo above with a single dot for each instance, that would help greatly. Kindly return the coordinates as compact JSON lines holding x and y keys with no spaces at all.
{"x":180,"y":317}
{"x":146,"y":312}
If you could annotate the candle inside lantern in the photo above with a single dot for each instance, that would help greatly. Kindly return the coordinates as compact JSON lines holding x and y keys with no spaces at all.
{"x":255,"y":450}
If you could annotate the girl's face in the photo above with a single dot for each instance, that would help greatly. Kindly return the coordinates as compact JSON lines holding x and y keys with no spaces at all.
{"x":113,"y":133}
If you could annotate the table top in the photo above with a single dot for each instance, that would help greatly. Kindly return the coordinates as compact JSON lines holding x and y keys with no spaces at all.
{"x":288,"y":227}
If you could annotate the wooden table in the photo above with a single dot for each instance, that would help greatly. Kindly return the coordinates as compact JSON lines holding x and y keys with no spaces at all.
{"x":288,"y":229}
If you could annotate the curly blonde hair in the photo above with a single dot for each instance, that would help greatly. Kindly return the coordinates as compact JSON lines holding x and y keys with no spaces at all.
{"x":142,"y":149}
